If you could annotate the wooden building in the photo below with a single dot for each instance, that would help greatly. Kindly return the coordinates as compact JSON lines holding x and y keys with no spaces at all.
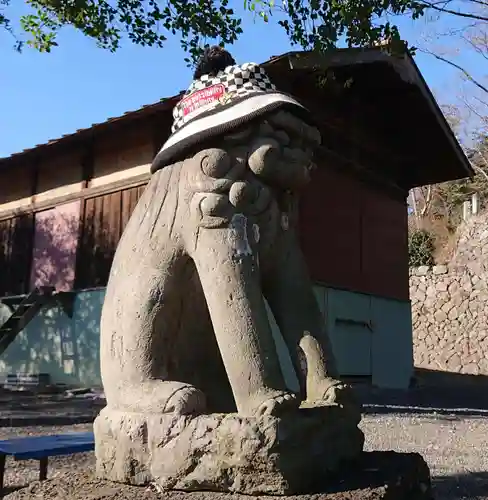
{"x":64,"y":205}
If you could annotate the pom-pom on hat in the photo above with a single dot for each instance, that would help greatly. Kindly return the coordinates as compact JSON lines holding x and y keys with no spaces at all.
{"x":222,"y":97}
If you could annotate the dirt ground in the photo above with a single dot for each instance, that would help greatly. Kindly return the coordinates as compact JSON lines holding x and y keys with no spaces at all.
{"x":452,"y":437}
{"x":378,"y":476}
{"x":455,"y":448}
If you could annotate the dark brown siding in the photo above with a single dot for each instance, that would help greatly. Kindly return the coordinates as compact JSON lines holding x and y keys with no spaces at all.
{"x":16,"y":236}
{"x":16,"y":184}
{"x":130,"y":148}
{"x":353,"y":236}
{"x":104,"y":220}
{"x":385,"y":246}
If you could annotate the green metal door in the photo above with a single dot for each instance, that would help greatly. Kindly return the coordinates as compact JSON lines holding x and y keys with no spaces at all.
{"x":350,"y":329}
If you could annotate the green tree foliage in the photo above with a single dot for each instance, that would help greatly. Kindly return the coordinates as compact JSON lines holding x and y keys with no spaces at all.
{"x":313,"y":24}
{"x":421,"y":248}
{"x":143,"y":22}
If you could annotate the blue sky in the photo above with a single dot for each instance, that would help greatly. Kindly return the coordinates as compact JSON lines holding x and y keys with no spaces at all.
{"x":44,"y":96}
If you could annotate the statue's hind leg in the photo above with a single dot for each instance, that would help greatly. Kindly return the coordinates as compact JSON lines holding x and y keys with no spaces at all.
{"x":135,"y":325}
{"x":141,"y":312}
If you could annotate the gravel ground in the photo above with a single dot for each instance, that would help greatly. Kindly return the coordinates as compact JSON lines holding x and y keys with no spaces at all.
{"x":455,"y":447}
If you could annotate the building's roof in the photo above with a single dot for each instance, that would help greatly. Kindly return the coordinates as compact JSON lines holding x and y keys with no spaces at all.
{"x":94,"y":128}
{"x":406,"y":88}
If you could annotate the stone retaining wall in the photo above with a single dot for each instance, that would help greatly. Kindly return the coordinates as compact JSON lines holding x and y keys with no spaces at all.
{"x":449,"y":315}
{"x":450,"y":305}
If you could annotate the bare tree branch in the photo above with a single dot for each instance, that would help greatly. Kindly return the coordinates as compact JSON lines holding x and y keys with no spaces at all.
{"x":479,"y":2}
{"x":432,"y":5}
{"x":472,"y":109}
{"x":459,"y":68}
{"x":427,"y":201}
{"x":415,"y":207}
{"x":484,"y":103}
{"x":476,"y":46}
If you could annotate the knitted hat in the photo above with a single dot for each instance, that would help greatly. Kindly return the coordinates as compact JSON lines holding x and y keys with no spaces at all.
{"x":222,"y":97}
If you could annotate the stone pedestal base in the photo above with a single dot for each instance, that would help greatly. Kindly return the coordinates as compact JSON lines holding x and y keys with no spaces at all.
{"x":226,"y":452}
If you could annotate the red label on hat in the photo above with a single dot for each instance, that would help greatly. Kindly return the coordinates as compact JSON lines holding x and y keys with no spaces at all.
{"x":202,"y":98}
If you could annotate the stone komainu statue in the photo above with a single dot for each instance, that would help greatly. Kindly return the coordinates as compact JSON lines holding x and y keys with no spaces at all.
{"x":184,"y":327}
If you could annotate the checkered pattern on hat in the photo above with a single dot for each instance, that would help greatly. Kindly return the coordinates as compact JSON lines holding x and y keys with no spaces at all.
{"x":238,"y":81}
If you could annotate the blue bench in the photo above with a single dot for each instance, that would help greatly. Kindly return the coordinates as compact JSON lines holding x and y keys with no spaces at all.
{"x":42,"y":447}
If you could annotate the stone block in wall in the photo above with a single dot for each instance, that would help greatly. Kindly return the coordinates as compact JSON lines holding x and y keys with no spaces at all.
{"x":441,"y":269}
{"x":440,"y":316}
{"x":484,"y":235}
{"x":480,"y":284}
{"x":471,"y":369}
{"x":483,"y":365}
{"x":453,"y":286}
{"x":421,"y":271}
{"x":476,"y":267}
{"x":453,"y":313}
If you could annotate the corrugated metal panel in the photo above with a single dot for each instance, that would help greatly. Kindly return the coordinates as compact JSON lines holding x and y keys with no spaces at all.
{"x":104,"y":220}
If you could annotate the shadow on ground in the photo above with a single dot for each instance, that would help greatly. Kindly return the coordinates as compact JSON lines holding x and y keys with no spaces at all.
{"x":431,"y":391}
{"x":472,"y":486}
{"x":447,"y":395}
{"x":21,"y":410}
{"x":10,"y":489}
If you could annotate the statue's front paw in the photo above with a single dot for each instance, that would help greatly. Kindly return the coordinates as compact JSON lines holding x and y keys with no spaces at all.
{"x":269,"y":402}
{"x":279,"y":402}
{"x":340,"y":394}
{"x":333,"y":392}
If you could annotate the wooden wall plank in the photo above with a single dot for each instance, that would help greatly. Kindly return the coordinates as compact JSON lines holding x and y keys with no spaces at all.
{"x":16,"y":253}
{"x":119,"y":156}
{"x":105,"y":219}
{"x":354,"y":236}
{"x":127,"y":205}
{"x":59,"y":176}
{"x":55,"y":246}
{"x":16,"y":189}
{"x":5,"y":251}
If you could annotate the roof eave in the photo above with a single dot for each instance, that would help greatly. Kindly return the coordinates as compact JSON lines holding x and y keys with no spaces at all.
{"x":404,"y":65}
{"x":87,"y":132}
{"x":424,"y":88}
